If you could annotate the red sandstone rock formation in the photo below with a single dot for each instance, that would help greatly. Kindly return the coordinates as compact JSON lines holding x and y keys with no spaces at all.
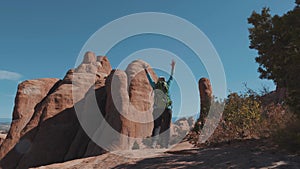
{"x":128,"y":109}
{"x":141,"y":97}
{"x":29,"y":94}
{"x":48,"y":134}
{"x":205,"y":90}
{"x":47,"y":129}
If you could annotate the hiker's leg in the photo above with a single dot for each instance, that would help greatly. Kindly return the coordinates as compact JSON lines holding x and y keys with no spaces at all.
{"x":167,"y":117}
{"x":157,"y":126}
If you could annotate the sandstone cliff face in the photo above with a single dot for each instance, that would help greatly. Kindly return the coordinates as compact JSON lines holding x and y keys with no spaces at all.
{"x":141,"y":98}
{"x":138,"y":85}
{"x":128,"y":109}
{"x":49,"y":130}
{"x":117,"y":104}
{"x":206,"y":97}
{"x":205,"y":91}
{"x":29,"y":94}
{"x":48,"y":134}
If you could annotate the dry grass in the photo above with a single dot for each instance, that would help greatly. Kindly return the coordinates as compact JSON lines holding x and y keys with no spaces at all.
{"x":275,"y":123}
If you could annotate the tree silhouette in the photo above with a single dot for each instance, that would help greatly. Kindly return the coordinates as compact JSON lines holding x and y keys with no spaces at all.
{"x":277,"y":40}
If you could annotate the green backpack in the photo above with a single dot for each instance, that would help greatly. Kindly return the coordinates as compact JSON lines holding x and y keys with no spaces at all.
{"x":161,"y":98}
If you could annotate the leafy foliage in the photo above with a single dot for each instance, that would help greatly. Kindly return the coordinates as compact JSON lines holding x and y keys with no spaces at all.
{"x":242,"y":111}
{"x":247,"y":116}
{"x":277,"y":40}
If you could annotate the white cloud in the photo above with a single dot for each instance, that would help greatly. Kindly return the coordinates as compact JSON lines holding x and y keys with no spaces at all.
{"x":6,"y":75}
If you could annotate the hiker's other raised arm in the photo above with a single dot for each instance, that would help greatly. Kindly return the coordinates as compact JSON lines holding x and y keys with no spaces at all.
{"x":172,"y":72}
{"x":151,"y":81}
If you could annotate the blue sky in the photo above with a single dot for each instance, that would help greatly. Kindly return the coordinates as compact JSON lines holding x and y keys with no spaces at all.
{"x":40,"y":39}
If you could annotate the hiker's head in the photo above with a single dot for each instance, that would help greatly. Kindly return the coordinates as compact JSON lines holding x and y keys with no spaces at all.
{"x":161,"y":78}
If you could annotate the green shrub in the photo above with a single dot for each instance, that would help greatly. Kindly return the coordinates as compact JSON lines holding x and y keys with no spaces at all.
{"x":135,"y":146}
{"x":243,"y":112}
{"x":251,"y":116}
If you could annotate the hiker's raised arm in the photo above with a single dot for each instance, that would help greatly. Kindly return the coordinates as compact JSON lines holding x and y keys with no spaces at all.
{"x":151,"y":81}
{"x":173,"y":67}
{"x":172,"y":72}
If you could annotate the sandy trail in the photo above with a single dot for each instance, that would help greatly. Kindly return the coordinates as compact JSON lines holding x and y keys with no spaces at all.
{"x":239,"y":154}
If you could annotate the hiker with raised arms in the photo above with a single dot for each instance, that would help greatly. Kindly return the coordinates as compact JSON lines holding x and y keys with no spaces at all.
{"x":162,"y":108}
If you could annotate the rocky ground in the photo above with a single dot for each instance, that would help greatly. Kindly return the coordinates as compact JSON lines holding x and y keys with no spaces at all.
{"x":236,"y":154}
